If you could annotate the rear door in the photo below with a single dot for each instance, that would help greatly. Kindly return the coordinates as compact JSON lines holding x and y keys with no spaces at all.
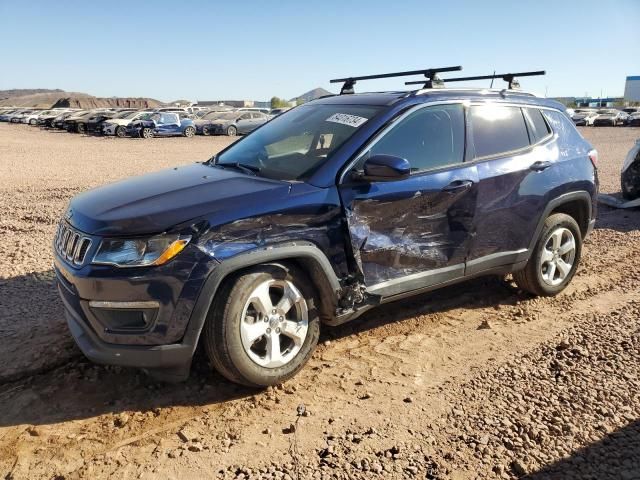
{"x":244,"y":123}
{"x":411,"y":233}
{"x":513,"y":148}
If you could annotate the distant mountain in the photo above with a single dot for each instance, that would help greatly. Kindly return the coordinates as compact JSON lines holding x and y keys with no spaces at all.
{"x":47,"y":98}
{"x":312,"y":95}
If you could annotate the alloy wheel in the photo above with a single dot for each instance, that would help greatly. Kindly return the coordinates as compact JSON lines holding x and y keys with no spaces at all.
{"x":558,"y":256}
{"x":274,"y":324}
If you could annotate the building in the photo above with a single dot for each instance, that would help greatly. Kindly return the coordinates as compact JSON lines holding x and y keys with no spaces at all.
{"x":632,"y":89}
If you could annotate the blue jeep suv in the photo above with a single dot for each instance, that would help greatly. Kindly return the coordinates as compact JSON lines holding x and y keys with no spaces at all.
{"x":336,"y":206}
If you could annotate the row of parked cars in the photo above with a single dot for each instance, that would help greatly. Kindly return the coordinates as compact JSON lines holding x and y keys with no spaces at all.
{"x":606,"y":117}
{"x":130,"y":122}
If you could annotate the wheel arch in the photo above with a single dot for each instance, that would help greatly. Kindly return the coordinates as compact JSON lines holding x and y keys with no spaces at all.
{"x":575,"y":204}
{"x":304,"y":255}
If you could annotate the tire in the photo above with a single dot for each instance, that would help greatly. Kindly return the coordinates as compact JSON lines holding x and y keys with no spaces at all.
{"x":121,"y":132}
{"x":232,"y":131}
{"x":189,"y":132}
{"x":240,"y":328}
{"x":630,"y":180}
{"x":544,"y":274}
{"x":81,"y":128}
{"x":32,"y":122}
{"x":206,"y":131}
{"x":146,"y":132}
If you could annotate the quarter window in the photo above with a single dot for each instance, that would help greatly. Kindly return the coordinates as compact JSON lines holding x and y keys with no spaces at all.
{"x":539,"y":126}
{"x":429,"y":138}
{"x":497,"y":129}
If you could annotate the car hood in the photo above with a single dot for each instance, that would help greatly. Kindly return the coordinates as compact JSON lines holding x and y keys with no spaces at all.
{"x":158,"y":201}
{"x":118,"y":121}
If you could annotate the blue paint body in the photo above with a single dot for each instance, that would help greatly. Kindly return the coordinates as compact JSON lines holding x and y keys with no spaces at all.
{"x":372,"y":233}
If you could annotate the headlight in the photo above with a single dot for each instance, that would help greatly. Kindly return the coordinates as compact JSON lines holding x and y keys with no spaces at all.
{"x":140,"y":252}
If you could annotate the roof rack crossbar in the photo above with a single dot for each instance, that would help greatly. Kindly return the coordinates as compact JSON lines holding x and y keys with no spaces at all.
{"x":510,"y":78}
{"x":429,"y":73}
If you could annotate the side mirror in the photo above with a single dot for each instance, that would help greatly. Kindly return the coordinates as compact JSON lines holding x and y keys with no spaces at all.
{"x":385,"y":168}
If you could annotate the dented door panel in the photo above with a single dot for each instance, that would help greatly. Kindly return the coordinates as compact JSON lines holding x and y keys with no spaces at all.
{"x":410,"y":226}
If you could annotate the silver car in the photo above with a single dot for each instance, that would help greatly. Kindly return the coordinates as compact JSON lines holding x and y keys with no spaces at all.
{"x":235,"y":123}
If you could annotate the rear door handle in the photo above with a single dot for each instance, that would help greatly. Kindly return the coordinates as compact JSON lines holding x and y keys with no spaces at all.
{"x":458,"y":185}
{"x":540,"y":166}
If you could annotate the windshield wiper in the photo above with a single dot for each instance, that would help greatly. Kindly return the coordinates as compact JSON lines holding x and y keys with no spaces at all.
{"x":243,"y":167}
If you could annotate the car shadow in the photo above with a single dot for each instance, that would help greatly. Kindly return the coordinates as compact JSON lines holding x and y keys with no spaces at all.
{"x":616,"y":456}
{"x":63,"y":385}
{"x":618,"y":219}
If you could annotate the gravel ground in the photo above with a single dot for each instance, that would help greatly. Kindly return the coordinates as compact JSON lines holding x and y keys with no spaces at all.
{"x":477,"y":380}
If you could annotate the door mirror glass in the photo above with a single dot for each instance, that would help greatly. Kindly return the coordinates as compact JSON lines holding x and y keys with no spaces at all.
{"x":385,"y":168}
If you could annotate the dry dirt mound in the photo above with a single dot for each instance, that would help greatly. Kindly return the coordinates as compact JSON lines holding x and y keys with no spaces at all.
{"x":43,"y":98}
{"x":96,"y":102}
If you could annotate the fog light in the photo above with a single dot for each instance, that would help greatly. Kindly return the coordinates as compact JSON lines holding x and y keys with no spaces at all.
{"x":125,"y":317}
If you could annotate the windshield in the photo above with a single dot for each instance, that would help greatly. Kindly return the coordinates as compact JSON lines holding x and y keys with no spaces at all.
{"x":295,"y":144}
{"x":212,"y":115}
{"x":607,"y":112}
{"x":229,"y":115}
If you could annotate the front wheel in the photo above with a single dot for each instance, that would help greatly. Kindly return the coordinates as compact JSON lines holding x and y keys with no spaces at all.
{"x":121,"y":132}
{"x":206,"y":130}
{"x":81,"y":128}
{"x":232,"y":131}
{"x":32,"y":122}
{"x":555,"y":258}
{"x":146,"y":133}
{"x":189,"y":132}
{"x":263,"y":326}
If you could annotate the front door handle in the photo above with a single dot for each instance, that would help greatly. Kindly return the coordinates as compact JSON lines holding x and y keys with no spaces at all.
{"x":540,"y":166}
{"x":458,"y":185}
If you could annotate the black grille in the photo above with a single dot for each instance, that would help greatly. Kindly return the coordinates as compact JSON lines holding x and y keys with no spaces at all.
{"x":71,"y":244}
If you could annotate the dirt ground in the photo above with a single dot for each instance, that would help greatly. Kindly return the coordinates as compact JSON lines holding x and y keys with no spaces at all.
{"x":478,"y":380}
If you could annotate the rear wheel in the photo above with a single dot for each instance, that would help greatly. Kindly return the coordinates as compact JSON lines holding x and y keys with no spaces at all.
{"x":81,"y":127}
{"x":232,"y":131}
{"x":189,"y":132}
{"x":206,"y":130}
{"x":555,"y":258}
{"x":146,"y":133}
{"x":121,"y":132}
{"x":32,"y":121}
{"x":263,"y":326}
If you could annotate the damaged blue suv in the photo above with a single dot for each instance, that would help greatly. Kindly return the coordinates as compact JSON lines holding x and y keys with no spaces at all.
{"x":332,"y":208}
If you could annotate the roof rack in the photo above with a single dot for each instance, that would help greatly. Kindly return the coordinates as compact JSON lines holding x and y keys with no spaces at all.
{"x":507,"y":77}
{"x":431,"y":78}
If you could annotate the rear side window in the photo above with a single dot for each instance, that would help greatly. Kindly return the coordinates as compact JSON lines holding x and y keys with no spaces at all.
{"x":539,"y":126}
{"x":429,"y":138}
{"x":497,"y":129}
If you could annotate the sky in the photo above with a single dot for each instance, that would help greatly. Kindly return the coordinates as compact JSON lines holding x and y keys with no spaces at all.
{"x":210,"y":50}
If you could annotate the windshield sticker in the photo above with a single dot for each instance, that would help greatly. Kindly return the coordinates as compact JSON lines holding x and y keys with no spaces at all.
{"x":346,"y":119}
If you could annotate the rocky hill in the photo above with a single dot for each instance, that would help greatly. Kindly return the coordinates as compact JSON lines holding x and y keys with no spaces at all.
{"x":44,"y":98}
{"x":312,"y":95}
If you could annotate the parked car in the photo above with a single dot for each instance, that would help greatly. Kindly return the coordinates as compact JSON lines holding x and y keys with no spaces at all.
{"x":18,"y":117}
{"x":94,"y":123}
{"x":633,"y":120}
{"x":117,"y":126}
{"x":630,"y":175}
{"x":238,"y":122}
{"x":6,"y":115}
{"x":161,"y":124}
{"x":204,"y":123}
{"x":345,"y":203}
{"x":609,"y":117}
{"x":32,"y":118}
{"x":47,"y":119}
{"x":584,"y":118}
{"x":78,"y":123}
{"x":631,"y":110}
{"x":59,"y":121}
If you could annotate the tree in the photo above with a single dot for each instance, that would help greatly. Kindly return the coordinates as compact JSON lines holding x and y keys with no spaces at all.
{"x":299,"y":101}
{"x":277,"y":102}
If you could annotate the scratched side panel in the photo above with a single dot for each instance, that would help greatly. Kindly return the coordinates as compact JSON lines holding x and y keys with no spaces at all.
{"x":402,"y":228}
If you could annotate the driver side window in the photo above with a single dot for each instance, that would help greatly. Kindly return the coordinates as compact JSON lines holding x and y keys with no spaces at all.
{"x":429,"y":138}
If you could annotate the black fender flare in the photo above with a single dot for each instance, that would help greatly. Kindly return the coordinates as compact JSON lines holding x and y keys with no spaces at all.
{"x":315,"y":260}
{"x":580,"y":195}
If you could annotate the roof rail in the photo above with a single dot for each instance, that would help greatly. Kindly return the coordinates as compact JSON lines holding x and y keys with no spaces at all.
{"x":510,"y":78}
{"x":430,"y":74}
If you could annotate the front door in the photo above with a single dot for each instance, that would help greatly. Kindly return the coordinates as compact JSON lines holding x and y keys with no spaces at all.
{"x":168,"y":124}
{"x":412,"y":233}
